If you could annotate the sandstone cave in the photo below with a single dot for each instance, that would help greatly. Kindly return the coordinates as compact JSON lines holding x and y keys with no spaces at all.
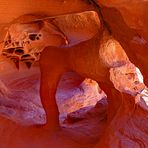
{"x":73,"y":74}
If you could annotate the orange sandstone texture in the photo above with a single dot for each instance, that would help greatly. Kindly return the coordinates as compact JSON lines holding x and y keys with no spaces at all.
{"x":128,"y":22}
{"x":99,"y":57}
{"x":27,"y":36}
{"x":20,"y":103}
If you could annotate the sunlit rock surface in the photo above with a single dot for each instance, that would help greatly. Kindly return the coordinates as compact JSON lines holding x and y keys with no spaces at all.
{"x":20,"y":102}
{"x":29,"y":35}
{"x":87,"y":126}
{"x":128,"y":23}
{"x":133,"y":80}
{"x":20,"y":98}
{"x":73,"y":93}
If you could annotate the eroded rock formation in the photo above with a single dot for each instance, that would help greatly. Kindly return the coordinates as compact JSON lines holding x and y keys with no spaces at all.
{"x":107,"y":44}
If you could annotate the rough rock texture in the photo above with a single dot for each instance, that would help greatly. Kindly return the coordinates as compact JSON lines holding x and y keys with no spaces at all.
{"x":123,"y":49}
{"x":133,"y":79}
{"x":20,"y":98}
{"x":72,"y":96}
{"x":19,"y":94}
{"x":25,"y":40}
{"x":20,"y":102}
{"x":128,"y":22}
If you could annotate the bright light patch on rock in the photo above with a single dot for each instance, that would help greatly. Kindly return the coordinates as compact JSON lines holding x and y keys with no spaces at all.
{"x":127,"y":79}
{"x":111,"y":52}
{"x":144,"y":94}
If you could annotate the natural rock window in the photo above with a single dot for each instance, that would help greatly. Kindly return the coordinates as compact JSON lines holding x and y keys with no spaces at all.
{"x":73,"y":74}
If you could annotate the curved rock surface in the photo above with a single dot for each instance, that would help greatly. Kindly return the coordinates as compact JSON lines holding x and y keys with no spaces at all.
{"x":128,"y":22}
{"x":20,"y":103}
{"x":119,"y":122}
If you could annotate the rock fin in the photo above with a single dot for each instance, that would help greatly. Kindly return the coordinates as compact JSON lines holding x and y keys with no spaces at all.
{"x":16,"y":62}
{"x":28,"y":64}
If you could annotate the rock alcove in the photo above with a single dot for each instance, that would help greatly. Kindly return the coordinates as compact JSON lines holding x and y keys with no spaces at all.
{"x":86,"y":60}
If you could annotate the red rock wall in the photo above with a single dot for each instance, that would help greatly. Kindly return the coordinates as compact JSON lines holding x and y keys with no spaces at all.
{"x":126,"y":124}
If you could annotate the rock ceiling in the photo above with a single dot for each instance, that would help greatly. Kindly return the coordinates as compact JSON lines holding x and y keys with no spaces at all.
{"x":100,"y":41}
